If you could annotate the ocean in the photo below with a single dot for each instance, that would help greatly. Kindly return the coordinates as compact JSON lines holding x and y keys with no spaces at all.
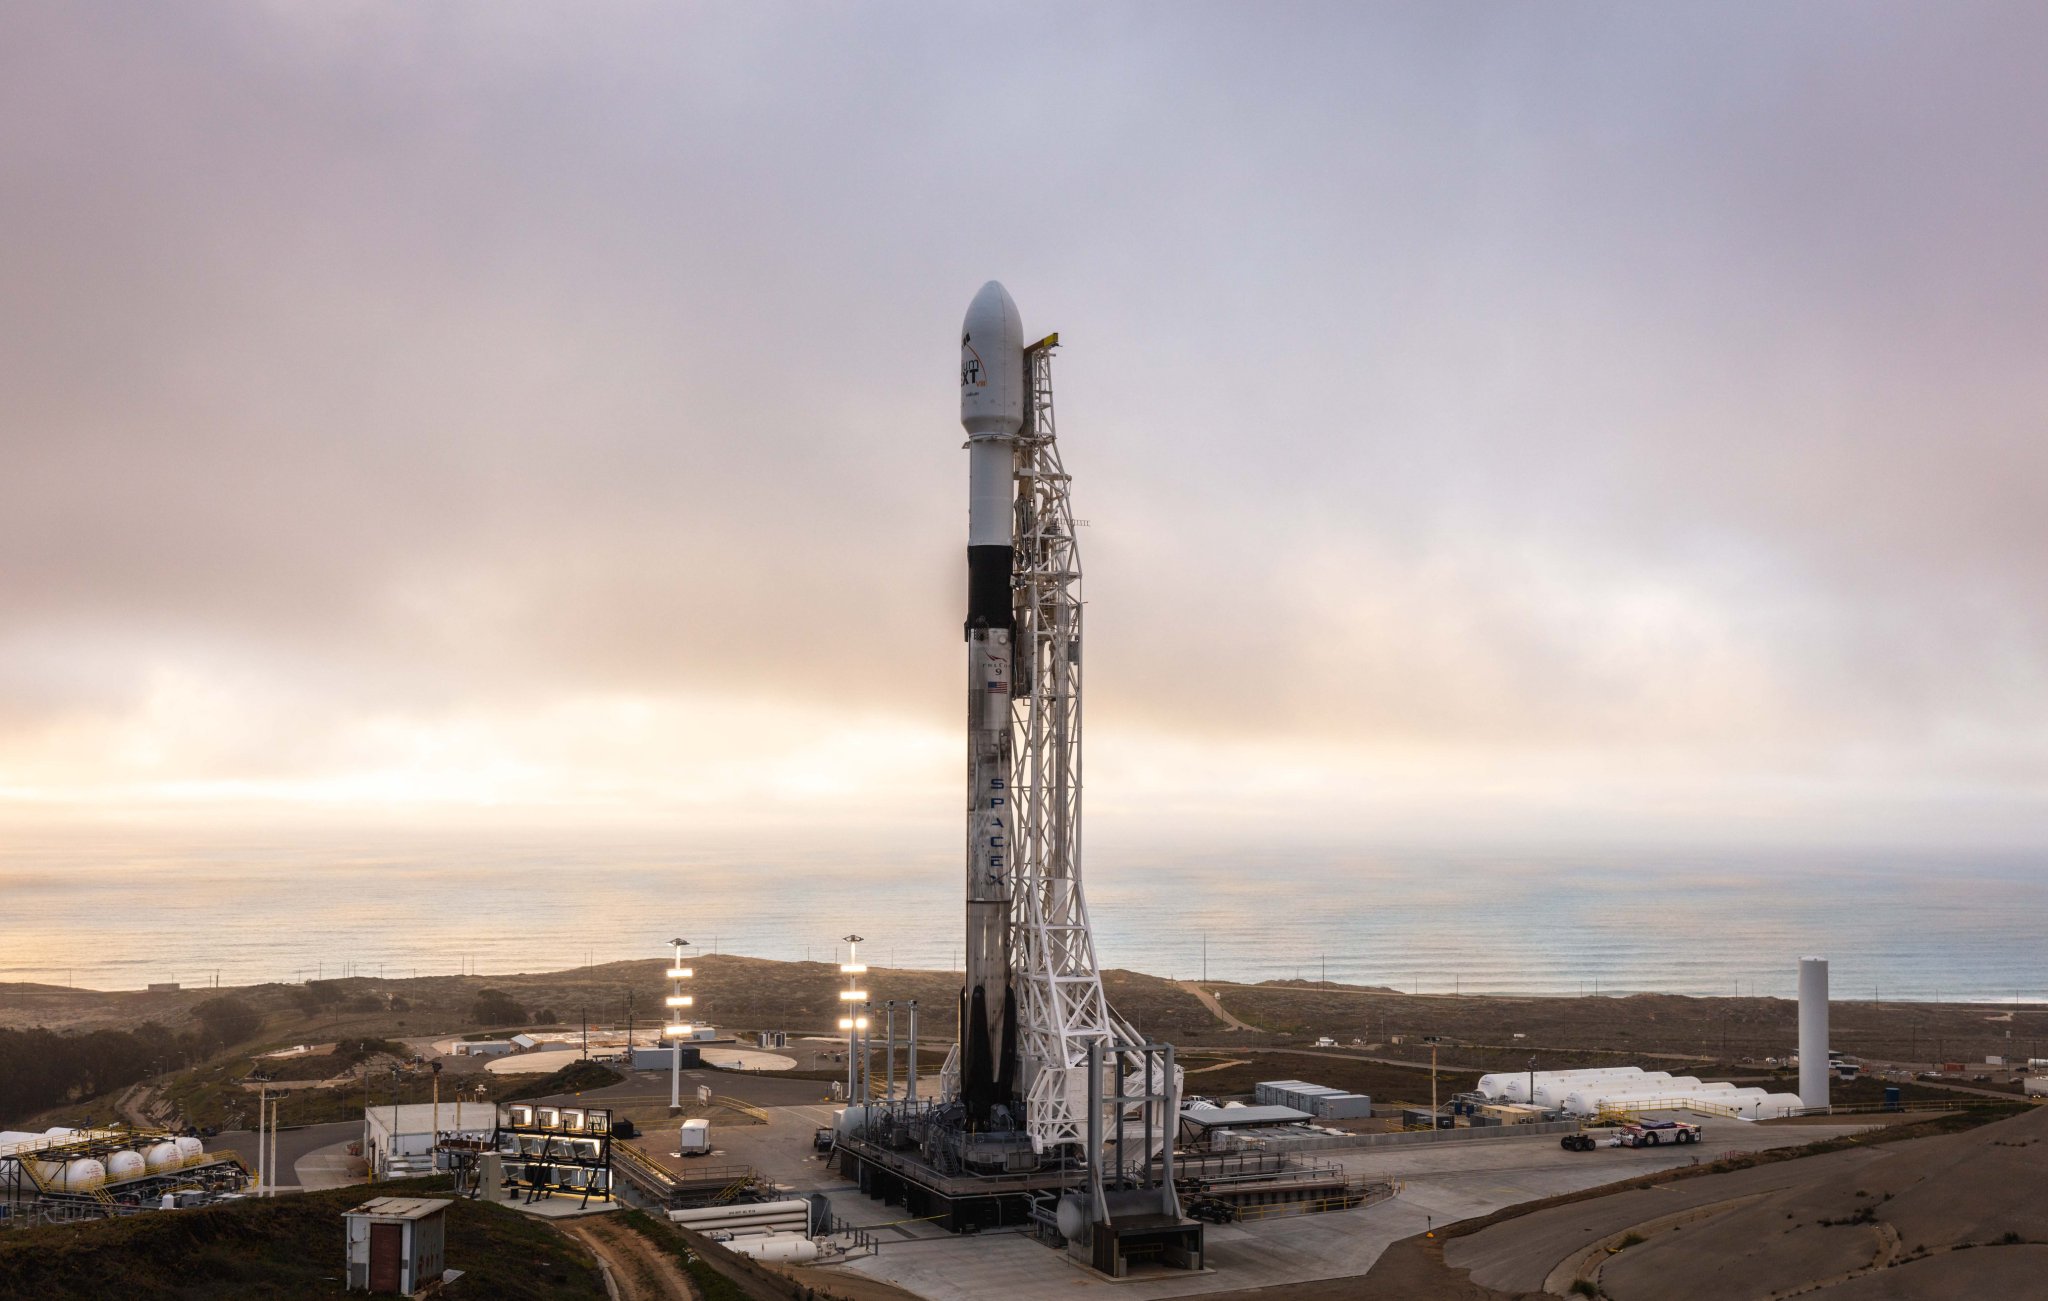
{"x":103,"y":914}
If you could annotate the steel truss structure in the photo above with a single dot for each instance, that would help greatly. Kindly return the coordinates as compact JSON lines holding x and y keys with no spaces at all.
{"x":1062,"y":1013}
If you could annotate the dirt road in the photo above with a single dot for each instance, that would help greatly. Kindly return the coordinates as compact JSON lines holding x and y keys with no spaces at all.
{"x":637,"y":1268}
{"x":1215,"y":1008}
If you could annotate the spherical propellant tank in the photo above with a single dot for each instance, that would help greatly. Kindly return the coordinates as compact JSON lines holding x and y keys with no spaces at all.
{"x":189,"y":1147}
{"x":162,"y":1156}
{"x":125,"y":1164}
{"x":82,"y":1174}
{"x":1072,"y":1216}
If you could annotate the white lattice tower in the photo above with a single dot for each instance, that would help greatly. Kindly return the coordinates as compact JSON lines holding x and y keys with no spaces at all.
{"x":1058,"y":984}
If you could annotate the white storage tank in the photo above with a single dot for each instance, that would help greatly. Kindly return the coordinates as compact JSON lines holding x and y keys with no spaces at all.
{"x":125,"y":1164}
{"x":776,"y":1246}
{"x":162,"y":1156}
{"x":189,"y":1147}
{"x":83,"y":1174}
{"x":791,"y":1215}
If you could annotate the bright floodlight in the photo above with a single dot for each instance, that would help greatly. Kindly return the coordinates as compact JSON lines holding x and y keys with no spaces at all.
{"x":846,"y":1023}
{"x":853,"y":996}
{"x":678,"y":1030}
{"x":679,"y":973}
{"x":680,"y":1000}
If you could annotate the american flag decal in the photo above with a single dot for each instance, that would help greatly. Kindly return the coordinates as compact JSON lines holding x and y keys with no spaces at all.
{"x":998,"y":687}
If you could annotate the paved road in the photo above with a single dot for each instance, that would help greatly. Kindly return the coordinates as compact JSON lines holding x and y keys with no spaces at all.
{"x":293,"y":1145}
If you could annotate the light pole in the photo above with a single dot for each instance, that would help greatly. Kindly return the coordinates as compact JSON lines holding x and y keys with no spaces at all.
{"x":853,"y":996}
{"x":677,"y":1027}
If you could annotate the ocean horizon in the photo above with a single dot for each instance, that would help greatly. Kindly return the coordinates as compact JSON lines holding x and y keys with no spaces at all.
{"x":100,"y":914}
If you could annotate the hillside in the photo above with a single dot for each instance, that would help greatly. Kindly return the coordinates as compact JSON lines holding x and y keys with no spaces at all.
{"x":282,"y":1250}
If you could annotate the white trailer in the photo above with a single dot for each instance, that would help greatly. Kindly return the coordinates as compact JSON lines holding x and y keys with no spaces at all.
{"x":695,"y":1138}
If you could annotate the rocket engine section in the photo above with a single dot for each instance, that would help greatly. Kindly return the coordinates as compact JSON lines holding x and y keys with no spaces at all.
{"x":992,"y":410}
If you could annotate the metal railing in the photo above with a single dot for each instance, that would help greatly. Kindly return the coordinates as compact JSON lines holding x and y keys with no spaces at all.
{"x":744,"y":1108}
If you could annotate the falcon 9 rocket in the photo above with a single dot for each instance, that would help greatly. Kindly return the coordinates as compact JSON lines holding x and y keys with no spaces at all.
{"x":992,"y":410}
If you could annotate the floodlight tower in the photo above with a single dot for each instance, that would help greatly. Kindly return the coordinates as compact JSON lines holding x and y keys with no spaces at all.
{"x":677,"y":1026}
{"x":854,"y":1021}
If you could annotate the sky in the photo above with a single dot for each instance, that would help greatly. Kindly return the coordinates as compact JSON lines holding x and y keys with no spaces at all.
{"x":1505,"y":424}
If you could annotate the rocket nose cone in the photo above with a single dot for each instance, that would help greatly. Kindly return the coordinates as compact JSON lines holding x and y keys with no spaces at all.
{"x":991,"y":298}
{"x":991,"y":363}
{"x":993,"y":313}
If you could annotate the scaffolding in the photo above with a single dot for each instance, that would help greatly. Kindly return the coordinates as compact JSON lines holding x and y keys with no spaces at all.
{"x":1062,"y":1013}
{"x":549,"y":1151}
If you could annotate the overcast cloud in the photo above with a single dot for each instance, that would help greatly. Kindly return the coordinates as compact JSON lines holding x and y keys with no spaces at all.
{"x":1531,"y":421}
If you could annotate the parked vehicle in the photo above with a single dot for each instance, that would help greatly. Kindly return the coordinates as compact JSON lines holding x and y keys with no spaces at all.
{"x":1654,"y":1133}
{"x":1577,"y":1143}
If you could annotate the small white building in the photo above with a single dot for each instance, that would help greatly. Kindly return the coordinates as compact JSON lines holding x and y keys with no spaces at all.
{"x":525,"y":1041}
{"x":397,"y":1244}
{"x":399,"y":1141}
{"x":483,"y":1048}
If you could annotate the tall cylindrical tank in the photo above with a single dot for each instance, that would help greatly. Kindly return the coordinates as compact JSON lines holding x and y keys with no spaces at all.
{"x":1813,"y":1032}
{"x":125,"y":1164}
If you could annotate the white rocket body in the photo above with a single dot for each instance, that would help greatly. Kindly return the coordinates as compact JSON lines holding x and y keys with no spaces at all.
{"x":992,"y":411}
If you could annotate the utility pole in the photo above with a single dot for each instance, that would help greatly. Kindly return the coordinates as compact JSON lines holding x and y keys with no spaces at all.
{"x":366,"y":1122}
{"x":1432,"y":1086}
{"x":677,"y":1027}
{"x":396,"y":1123}
{"x":262,"y":1110}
